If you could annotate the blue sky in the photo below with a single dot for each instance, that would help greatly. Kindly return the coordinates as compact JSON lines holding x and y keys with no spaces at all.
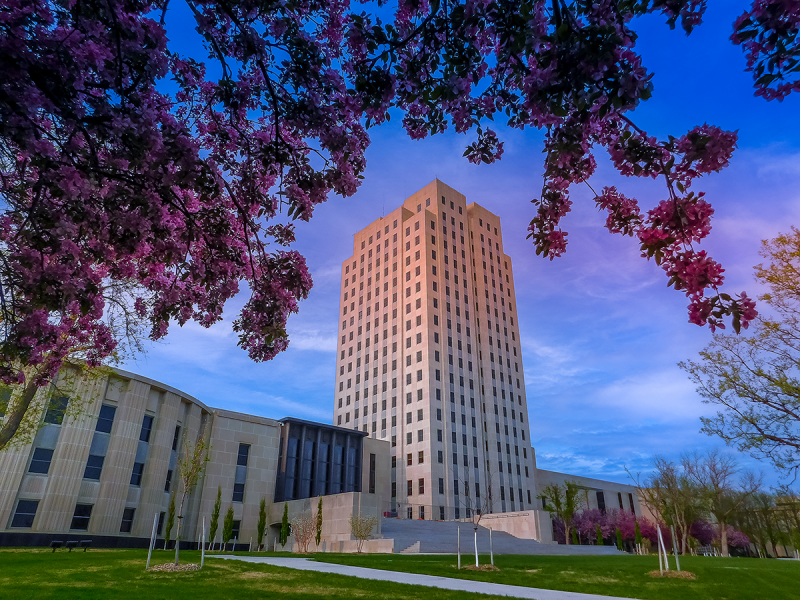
{"x":601,"y":332}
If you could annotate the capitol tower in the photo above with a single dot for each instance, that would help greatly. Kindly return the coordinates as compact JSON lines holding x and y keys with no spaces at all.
{"x":429,"y":358}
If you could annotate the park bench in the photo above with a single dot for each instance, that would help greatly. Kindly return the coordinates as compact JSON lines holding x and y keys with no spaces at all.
{"x":85,"y":544}
{"x":56,"y":545}
{"x":72,"y":544}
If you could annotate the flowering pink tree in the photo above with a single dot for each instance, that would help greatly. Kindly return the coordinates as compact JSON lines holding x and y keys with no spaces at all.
{"x":626,"y":521}
{"x":703,"y":532}
{"x":737,"y":539}
{"x":586,"y":522}
{"x":124,"y":163}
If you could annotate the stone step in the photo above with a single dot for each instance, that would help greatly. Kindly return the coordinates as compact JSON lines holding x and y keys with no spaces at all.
{"x":441,"y":537}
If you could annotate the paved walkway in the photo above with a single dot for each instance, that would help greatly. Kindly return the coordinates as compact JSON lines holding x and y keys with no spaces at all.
{"x":447,"y":583}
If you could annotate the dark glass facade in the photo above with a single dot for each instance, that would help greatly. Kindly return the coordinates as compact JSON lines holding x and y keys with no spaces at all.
{"x":317,"y":460}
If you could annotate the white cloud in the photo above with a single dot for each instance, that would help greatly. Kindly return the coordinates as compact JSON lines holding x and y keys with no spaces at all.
{"x":312,"y":340}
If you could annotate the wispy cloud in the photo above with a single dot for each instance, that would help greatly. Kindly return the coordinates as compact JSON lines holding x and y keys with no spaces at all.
{"x":601,"y":332}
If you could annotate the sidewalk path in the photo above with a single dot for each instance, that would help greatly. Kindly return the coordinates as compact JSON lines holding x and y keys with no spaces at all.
{"x":447,"y":583}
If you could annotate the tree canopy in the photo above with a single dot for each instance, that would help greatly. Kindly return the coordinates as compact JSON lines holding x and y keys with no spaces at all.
{"x":140,"y":191}
{"x":754,"y":379}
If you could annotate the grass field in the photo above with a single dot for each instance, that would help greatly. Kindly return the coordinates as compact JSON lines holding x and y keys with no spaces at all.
{"x":717,"y":578}
{"x":119,"y":574}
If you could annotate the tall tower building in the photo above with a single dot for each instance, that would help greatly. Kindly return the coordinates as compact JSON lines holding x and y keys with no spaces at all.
{"x":429,"y":357}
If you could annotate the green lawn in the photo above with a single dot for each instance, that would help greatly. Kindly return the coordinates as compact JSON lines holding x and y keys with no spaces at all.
{"x":120,"y":575}
{"x":717,"y":578}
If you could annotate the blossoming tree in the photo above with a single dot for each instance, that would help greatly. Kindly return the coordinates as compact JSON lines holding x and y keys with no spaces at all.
{"x":123,"y":161}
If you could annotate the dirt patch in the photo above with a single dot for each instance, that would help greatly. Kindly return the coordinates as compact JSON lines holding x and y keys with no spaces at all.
{"x":481,"y":568}
{"x":532,"y":570}
{"x":263,"y":575}
{"x":577,"y":577}
{"x":673,"y":574}
{"x":173,"y":568}
{"x":595,"y":579}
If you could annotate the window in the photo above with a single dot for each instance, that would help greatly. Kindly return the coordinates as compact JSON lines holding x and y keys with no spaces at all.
{"x":177,"y":435}
{"x":136,"y":475}
{"x":105,"y":419}
{"x":147,"y":426}
{"x":238,"y":492}
{"x":371,"y":473}
{"x":127,"y":520}
{"x":235,"y":530}
{"x":244,"y":453}
{"x":40,"y":463}
{"x":421,"y":484}
{"x":409,"y":459}
{"x":56,"y":410}
{"x":601,"y":502}
{"x":26,"y":511}
{"x":169,"y":480}
{"x":94,"y":466}
{"x":420,"y":457}
{"x":409,"y":489}
{"x":81,"y":516}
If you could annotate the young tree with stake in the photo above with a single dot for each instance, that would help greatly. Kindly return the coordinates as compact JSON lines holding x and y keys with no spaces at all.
{"x":476,"y":506}
{"x":190,"y":468}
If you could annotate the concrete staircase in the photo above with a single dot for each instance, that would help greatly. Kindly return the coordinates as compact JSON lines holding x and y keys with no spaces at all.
{"x":441,"y":537}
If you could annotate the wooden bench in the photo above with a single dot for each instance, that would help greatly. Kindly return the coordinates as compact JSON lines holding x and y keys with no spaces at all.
{"x":56,"y":545}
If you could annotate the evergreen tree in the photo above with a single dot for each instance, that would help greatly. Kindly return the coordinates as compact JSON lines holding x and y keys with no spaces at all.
{"x":575,"y":540}
{"x":285,"y":527}
{"x":227,"y":526}
{"x":215,"y":515}
{"x":170,"y":520}
{"x":599,"y":535}
{"x":262,"y":521}
{"x":638,"y":533}
{"x":619,"y":539}
{"x":319,"y":521}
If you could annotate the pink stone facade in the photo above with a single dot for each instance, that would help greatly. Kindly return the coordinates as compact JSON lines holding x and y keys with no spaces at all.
{"x":429,"y":357}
